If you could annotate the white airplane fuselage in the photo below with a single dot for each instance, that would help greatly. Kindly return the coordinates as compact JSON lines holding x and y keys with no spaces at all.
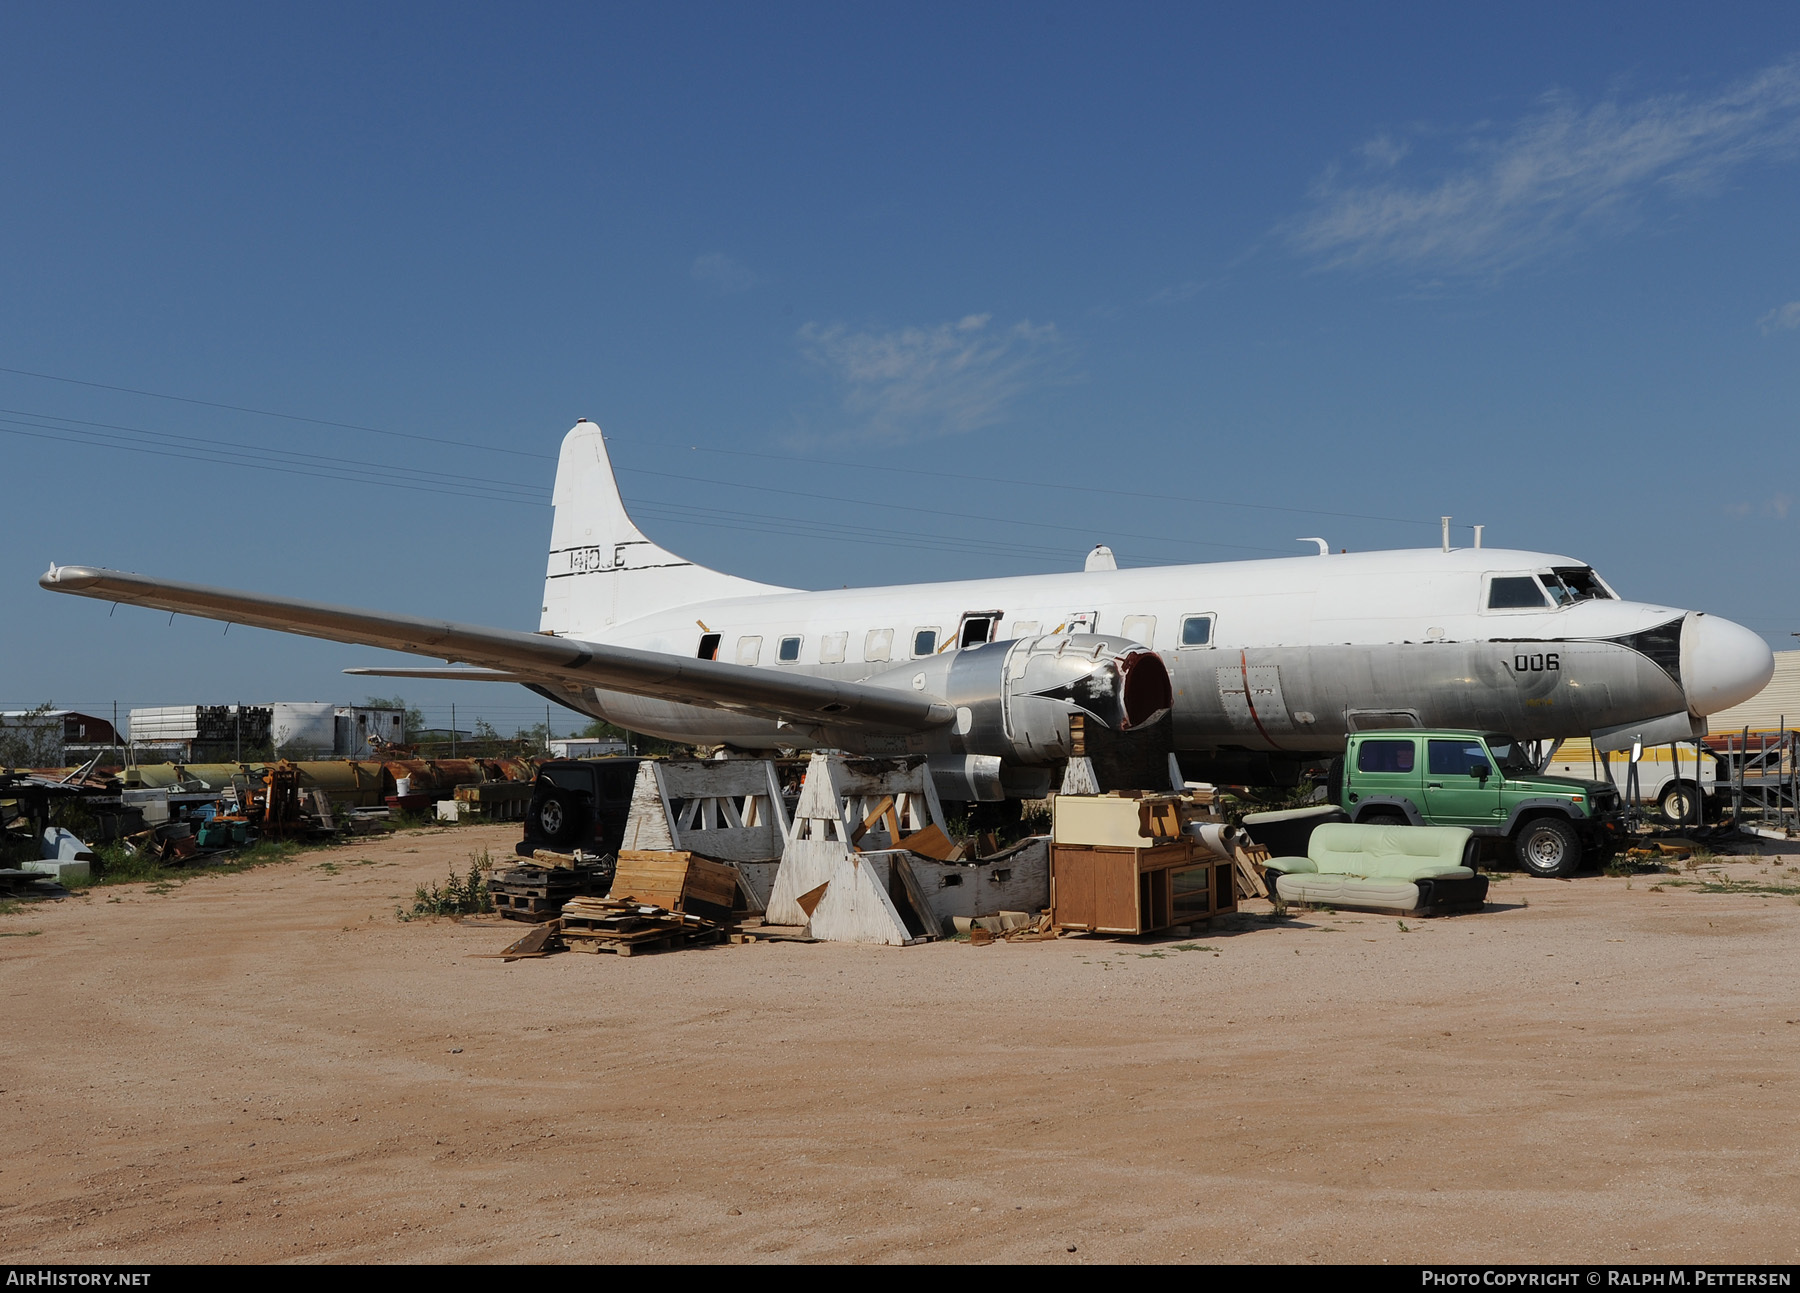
{"x":1297,"y":651}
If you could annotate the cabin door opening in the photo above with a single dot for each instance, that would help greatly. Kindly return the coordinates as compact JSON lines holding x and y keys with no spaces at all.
{"x":977,"y":628}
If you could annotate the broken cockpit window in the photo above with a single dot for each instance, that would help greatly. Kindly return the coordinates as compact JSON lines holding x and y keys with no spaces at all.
{"x":1576,"y":584}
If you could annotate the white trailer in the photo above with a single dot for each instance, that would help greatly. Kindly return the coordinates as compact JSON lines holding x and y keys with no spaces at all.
{"x":1667,"y":775}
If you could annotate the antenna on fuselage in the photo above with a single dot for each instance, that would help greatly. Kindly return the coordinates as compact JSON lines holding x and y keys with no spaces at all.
{"x":1446,"y":521}
{"x":1324,"y":547}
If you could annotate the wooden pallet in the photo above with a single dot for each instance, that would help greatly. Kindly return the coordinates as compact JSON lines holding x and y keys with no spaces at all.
{"x":655,"y":938}
{"x":519,"y":907}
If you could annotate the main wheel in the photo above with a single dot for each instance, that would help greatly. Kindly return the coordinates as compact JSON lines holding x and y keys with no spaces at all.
{"x":556,"y":816}
{"x":1548,"y":846}
{"x":1676,"y":803}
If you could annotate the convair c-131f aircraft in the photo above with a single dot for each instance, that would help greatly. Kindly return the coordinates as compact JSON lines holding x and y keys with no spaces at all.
{"x":1260,"y":667}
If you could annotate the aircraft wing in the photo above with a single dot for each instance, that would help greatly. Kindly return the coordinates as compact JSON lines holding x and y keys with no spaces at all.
{"x":761,"y":693}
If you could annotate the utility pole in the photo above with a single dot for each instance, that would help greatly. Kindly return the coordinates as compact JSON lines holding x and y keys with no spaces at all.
{"x":453,"y":729}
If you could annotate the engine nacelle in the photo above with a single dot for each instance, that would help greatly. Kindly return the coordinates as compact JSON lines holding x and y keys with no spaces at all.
{"x":1014,"y":700}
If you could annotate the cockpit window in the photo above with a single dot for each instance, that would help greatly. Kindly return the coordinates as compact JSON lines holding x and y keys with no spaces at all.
{"x":1579,"y":583}
{"x":1515,"y":592}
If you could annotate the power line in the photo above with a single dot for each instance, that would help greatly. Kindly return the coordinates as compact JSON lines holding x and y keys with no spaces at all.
{"x":239,"y":446}
{"x":266,"y":413}
{"x":214,"y":460}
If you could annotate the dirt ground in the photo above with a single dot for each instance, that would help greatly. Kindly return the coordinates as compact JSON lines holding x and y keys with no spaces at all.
{"x":270,"y":1066}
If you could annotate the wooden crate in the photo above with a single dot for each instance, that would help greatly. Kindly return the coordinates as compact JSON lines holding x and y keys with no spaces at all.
{"x":676,"y":881}
{"x":1112,"y":890}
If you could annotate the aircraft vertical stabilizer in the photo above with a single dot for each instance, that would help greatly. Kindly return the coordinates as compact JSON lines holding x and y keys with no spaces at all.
{"x":603,"y":571}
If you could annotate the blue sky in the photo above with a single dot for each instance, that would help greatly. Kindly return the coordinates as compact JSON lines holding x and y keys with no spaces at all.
{"x":991,"y":284}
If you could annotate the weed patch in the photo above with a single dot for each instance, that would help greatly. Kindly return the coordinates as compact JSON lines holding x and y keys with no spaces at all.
{"x":457,"y":896}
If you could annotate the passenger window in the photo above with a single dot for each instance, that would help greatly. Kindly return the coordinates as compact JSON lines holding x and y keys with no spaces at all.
{"x":924,"y":641}
{"x":789,"y":650}
{"x":1025,"y":628}
{"x":1196,"y":630}
{"x":879,"y":645}
{"x":709,"y":646}
{"x":1455,"y":758}
{"x":1386,"y":756}
{"x":1515,"y":593}
{"x":831,"y":648}
{"x":749,"y":649}
{"x":1140,"y":628}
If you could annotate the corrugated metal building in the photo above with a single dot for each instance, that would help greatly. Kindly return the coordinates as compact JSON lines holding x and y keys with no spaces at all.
{"x":1777,"y":703}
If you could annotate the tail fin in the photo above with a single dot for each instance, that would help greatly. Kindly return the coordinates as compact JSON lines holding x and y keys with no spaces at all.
{"x":603,"y":571}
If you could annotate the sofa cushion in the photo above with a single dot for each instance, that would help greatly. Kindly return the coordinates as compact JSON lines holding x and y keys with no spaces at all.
{"x":1389,"y":852}
{"x":1348,"y":891}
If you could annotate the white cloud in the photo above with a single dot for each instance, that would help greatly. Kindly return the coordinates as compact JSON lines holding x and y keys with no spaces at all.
{"x":1384,"y":152}
{"x":1776,"y":505}
{"x":1176,"y":293}
{"x":1788,"y":316}
{"x":920,"y":383}
{"x":1561,"y":171}
{"x":721,"y":271}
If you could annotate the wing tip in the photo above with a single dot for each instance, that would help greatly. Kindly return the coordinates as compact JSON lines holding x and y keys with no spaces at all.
{"x":70,"y":579}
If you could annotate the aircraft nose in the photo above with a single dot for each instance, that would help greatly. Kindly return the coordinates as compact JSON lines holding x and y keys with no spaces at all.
{"x":1722,"y":663}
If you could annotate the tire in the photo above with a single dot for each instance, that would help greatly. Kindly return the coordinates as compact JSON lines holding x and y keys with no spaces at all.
{"x":1385,"y":819}
{"x":1676,"y":803}
{"x":1548,"y":847}
{"x":557,"y":817}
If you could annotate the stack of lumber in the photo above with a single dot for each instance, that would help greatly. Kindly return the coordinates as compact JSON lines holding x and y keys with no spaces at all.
{"x":658,"y":900}
{"x":624,"y":926}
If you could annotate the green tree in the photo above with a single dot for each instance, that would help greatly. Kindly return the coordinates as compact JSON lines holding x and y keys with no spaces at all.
{"x":31,"y":740}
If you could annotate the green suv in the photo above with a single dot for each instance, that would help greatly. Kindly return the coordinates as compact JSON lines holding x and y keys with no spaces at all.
{"x":1482,"y":780}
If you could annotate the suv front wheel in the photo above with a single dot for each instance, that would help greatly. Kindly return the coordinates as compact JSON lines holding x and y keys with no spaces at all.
{"x":1549,"y":847}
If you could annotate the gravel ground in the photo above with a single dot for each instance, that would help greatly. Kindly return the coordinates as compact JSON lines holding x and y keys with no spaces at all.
{"x":270,"y":1066}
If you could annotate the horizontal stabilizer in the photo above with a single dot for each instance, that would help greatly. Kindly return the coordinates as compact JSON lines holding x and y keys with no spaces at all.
{"x":563,"y":662}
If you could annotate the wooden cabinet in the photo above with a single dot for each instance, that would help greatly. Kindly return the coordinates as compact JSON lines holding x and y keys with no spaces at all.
{"x":1113,"y":890}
